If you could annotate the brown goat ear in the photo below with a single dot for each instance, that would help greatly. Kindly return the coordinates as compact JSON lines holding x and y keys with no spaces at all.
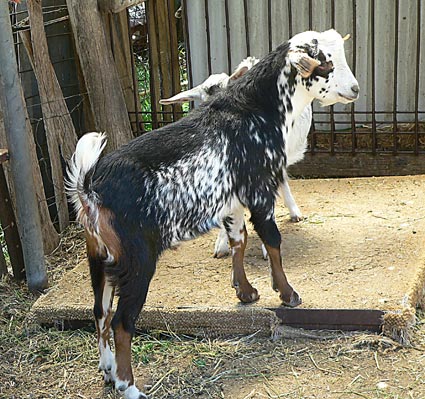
{"x":239,"y":72}
{"x":304,"y":64}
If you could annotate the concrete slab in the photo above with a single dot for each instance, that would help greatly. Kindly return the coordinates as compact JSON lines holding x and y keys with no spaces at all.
{"x":361,"y":246}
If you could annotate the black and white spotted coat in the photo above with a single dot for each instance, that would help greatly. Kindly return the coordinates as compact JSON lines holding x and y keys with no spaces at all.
{"x":181,"y":180}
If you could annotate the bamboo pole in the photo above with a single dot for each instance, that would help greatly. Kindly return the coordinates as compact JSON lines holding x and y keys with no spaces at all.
{"x":15,"y":125}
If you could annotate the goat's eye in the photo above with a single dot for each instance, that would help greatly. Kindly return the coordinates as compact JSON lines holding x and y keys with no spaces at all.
{"x":321,"y":57}
{"x":212,"y":90}
{"x":324,"y":69}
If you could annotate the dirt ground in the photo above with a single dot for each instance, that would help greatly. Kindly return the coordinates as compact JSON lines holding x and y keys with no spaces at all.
{"x":41,"y":363}
{"x":357,"y":248}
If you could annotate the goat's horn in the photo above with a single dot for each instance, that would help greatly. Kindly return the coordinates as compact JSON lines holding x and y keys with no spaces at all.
{"x":346,"y":37}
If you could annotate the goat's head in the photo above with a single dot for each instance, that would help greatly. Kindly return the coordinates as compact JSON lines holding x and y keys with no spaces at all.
{"x":211,"y":85}
{"x":322,"y":68}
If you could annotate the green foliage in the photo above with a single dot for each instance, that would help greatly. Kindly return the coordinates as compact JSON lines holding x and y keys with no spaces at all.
{"x":143,"y":78}
{"x":3,"y":246}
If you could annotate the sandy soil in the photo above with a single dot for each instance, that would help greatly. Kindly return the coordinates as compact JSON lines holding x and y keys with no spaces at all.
{"x":359,"y":246}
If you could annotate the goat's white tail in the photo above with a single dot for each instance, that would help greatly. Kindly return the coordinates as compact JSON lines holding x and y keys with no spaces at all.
{"x":86,"y":156}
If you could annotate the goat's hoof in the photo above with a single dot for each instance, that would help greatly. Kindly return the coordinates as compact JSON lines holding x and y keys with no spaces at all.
{"x":108,"y":378}
{"x":293,"y":301}
{"x":296,"y":218}
{"x":222,"y":253}
{"x":248,"y":297}
{"x":133,"y":393}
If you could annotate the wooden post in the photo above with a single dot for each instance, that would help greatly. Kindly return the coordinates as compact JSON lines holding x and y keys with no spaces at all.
{"x":120,"y":44}
{"x":60,"y":132}
{"x":100,"y":74}
{"x":15,"y":125}
{"x":8,"y":222}
{"x":164,"y":55}
{"x":49,"y":234}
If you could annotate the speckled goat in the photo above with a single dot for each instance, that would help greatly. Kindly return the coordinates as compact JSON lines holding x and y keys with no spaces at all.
{"x":181,"y":180}
{"x":296,"y":141}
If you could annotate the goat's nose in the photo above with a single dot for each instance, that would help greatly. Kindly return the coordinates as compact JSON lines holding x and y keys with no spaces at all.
{"x":355,"y":89}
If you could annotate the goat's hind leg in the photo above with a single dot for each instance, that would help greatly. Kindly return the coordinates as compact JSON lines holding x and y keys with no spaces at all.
{"x":266,"y":228}
{"x":103,"y":297}
{"x":236,"y":230}
{"x":133,"y":288}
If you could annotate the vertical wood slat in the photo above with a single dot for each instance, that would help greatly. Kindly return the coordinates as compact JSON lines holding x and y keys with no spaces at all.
{"x":60,"y":132}
{"x":45,"y":76}
{"x":120,"y":44}
{"x":18,"y":137}
{"x":49,"y":234}
{"x":164,"y":59}
{"x":10,"y":230}
{"x":100,"y":73}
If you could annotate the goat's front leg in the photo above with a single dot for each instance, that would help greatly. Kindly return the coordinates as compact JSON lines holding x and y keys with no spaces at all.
{"x":266,"y":228}
{"x":236,"y":230}
{"x":103,"y":296}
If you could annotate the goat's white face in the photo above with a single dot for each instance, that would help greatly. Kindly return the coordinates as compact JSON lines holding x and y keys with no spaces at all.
{"x":211,"y":85}
{"x":201,"y":92}
{"x":323,"y":70}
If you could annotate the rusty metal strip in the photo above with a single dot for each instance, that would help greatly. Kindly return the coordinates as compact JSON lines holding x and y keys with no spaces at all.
{"x":332,"y":319}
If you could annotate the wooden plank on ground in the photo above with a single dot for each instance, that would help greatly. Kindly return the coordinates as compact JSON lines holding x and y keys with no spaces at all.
{"x":100,"y":74}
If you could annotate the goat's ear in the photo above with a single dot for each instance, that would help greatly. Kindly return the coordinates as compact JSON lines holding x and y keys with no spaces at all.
{"x":239,"y":72}
{"x":184,"y":96}
{"x":304,"y":64}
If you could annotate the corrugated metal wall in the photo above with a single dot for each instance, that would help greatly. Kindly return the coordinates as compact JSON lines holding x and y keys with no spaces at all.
{"x":386,"y":53}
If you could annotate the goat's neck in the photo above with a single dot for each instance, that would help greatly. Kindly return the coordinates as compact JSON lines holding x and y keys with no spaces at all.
{"x":294,"y":98}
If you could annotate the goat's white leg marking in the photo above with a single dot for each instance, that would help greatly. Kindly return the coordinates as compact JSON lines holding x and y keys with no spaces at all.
{"x":133,"y":393}
{"x":264,"y":251}
{"x":237,"y":239}
{"x":290,"y":203}
{"x":106,"y":357}
{"x":221,"y":248}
